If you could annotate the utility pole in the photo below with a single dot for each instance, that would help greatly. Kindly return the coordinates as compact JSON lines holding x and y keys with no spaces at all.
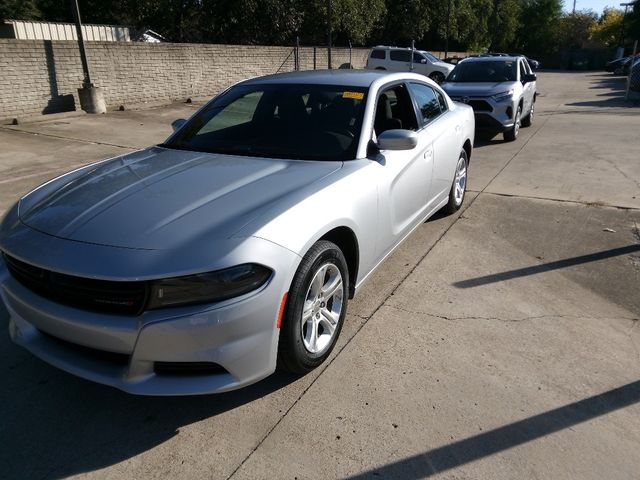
{"x":91,"y":98}
{"x":329,"y":15}
{"x":446,"y":35}
{"x":574,"y":6}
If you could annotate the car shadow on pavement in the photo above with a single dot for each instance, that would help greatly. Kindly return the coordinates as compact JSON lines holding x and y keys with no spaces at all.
{"x":546,"y":267}
{"x":55,"y":425}
{"x":508,"y":436}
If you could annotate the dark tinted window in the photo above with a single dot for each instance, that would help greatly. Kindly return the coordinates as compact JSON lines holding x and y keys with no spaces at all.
{"x":315,"y":122}
{"x":485,"y":71}
{"x":378,"y":54}
{"x":443,"y":103}
{"x":427,"y":102}
{"x":523,"y":70}
{"x":400,"y":55}
{"x":418,"y":58}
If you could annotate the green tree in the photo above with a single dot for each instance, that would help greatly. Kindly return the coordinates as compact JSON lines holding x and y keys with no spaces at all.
{"x":575,"y":29}
{"x":539,"y":25}
{"x":19,"y":10}
{"x":608,"y":30}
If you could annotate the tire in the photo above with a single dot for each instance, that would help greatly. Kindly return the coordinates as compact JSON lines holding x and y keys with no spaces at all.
{"x":310,"y":309}
{"x":437,"y":77}
{"x":511,"y":134}
{"x":528,"y":120}
{"x":459,"y":185}
{"x":380,"y":68}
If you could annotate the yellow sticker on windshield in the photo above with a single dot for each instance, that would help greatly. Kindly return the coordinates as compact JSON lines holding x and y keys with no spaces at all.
{"x":354,"y":95}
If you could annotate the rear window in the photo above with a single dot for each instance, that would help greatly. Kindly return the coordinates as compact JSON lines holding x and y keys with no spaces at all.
{"x":400,"y":55}
{"x":378,"y":54}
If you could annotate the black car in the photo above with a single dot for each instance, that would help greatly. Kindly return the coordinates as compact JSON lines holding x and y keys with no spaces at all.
{"x":616,"y":64}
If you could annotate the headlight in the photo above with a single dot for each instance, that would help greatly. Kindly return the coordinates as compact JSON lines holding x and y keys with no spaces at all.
{"x":499,"y":97}
{"x":207,"y":287}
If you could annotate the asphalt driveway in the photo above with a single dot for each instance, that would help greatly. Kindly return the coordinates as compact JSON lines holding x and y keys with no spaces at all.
{"x":503,"y":342}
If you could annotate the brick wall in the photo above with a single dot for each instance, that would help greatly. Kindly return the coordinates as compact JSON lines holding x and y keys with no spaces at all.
{"x":43,"y":76}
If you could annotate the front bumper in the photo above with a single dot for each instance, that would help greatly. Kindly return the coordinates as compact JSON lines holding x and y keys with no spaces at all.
{"x":239,"y":335}
{"x":489,"y":114}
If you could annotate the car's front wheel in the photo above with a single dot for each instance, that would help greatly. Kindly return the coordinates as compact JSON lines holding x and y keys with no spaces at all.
{"x":459,"y":185}
{"x":315,"y":309}
{"x":511,"y":134}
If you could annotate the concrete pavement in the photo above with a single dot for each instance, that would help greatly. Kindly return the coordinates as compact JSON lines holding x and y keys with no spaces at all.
{"x":499,"y":343}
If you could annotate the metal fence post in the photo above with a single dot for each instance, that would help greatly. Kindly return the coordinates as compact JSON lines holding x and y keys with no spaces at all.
{"x":633,"y":58}
{"x":315,"y":53}
{"x":350,"y":51}
{"x":296,"y":57}
{"x":413,"y":48}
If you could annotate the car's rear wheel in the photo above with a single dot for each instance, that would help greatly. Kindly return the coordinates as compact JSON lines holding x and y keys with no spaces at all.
{"x":437,"y":77}
{"x":459,"y":185}
{"x":511,"y":134}
{"x":315,"y":309}
{"x":528,"y":120}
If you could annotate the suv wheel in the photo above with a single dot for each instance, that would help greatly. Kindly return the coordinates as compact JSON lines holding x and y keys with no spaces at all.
{"x":511,"y":134}
{"x":437,"y":77}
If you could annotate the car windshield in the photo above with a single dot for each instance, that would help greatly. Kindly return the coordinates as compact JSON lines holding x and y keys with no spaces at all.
{"x":485,"y":71}
{"x":430,"y":56}
{"x":292,"y":121}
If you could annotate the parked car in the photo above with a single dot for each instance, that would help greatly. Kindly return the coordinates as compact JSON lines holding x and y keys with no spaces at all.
{"x":634,"y":80}
{"x":501,"y":90}
{"x":614,"y":64}
{"x":198,"y":265}
{"x":398,"y":59}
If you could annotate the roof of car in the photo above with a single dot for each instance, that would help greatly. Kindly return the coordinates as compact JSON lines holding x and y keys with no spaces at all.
{"x":492,"y":58}
{"x":352,"y":78}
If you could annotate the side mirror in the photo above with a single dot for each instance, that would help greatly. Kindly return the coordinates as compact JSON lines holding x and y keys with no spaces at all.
{"x":424,"y":60}
{"x":529,"y":77}
{"x":177,"y":124}
{"x":397,"y":140}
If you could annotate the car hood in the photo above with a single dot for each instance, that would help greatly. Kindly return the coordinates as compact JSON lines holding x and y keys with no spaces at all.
{"x":444,"y":65}
{"x":479,"y":89}
{"x":161,"y":198}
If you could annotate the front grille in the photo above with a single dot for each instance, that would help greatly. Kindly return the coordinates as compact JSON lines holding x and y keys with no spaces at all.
{"x":480,"y":105}
{"x":123,"y":298}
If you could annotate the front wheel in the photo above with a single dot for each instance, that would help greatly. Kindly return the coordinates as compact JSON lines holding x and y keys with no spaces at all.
{"x":511,"y":134}
{"x":459,"y":185}
{"x":315,"y":310}
{"x":437,"y":77}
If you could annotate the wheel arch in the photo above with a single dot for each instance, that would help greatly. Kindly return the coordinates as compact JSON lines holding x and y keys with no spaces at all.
{"x":467,"y":147}
{"x":346,"y":240}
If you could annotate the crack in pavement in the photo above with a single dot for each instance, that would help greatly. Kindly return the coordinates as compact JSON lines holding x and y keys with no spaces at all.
{"x":61,"y":137}
{"x":634,"y":320}
{"x":560,"y":200}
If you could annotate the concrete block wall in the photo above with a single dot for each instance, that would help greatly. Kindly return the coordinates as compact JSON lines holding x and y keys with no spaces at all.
{"x":40,"y":76}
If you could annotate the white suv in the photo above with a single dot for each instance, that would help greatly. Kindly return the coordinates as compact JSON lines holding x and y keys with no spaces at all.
{"x":399,"y":60}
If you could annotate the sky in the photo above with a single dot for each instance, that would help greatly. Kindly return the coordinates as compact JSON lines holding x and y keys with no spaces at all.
{"x":595,"y":5}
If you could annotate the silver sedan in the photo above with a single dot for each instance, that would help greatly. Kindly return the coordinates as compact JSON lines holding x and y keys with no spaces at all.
{"x":202,"y":264}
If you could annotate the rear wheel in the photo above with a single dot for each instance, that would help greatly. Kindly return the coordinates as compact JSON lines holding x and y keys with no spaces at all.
{"x":459,"y":185}
{"x":511,"y":134}
{"x":437,"y":77}
{"x":315,"y":310}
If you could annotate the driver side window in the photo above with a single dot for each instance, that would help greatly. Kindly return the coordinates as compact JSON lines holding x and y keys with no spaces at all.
{"x":394,"y":110}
